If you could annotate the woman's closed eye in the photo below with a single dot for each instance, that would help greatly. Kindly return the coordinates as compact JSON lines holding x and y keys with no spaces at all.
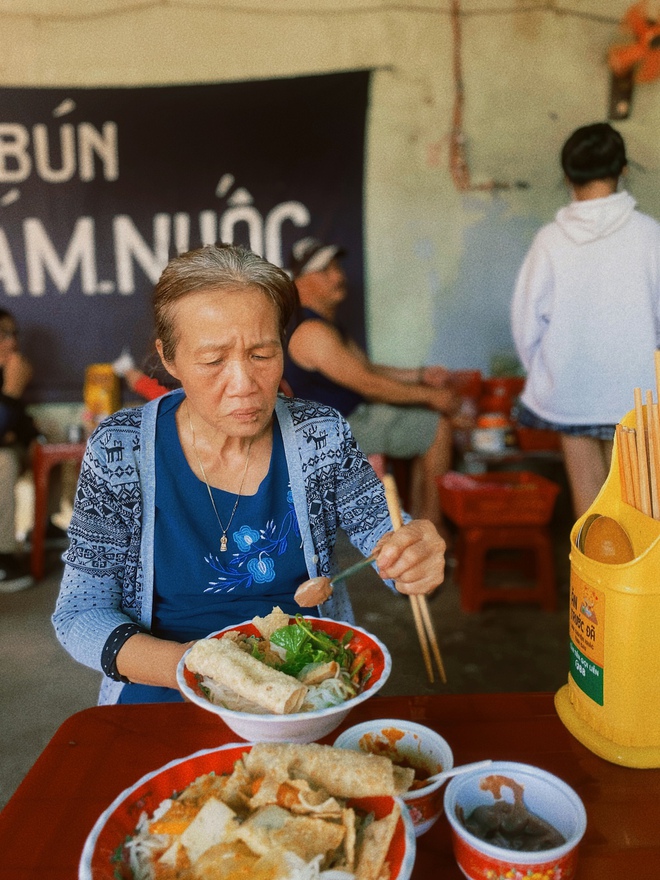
{"x":265,"y":352}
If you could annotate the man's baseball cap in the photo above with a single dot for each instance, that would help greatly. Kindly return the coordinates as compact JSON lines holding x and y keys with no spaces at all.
{"x":311,"y":255}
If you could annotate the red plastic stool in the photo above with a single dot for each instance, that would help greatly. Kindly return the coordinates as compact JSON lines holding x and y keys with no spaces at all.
{"x":508,"y":510}
{"x":46,"y":456}
{"x":472,"y":550}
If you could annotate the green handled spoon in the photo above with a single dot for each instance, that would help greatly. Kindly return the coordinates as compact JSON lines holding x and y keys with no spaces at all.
{"x":317,"y":590}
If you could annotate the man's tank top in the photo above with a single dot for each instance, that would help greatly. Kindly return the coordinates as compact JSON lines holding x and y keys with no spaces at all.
{"x":312,"y":385}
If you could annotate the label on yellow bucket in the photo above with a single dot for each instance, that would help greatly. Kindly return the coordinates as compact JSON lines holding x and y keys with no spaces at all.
{"x":587,"y":633}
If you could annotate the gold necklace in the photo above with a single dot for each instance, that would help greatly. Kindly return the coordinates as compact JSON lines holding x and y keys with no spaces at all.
{"x":223,"y":537}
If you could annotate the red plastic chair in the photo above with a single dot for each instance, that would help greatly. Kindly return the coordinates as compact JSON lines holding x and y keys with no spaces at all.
{"x":46,"y":456}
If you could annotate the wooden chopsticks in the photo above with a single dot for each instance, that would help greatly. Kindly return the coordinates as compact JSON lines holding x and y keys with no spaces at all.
{"x":423,"y":622}
{"x":642,"y":456}
{"x":639,"y":453}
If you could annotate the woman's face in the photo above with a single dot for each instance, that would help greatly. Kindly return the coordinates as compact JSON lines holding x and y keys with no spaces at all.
{"x":228,"y":358}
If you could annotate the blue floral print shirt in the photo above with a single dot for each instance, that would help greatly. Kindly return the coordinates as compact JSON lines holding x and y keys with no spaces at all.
{"x":197,"y":588}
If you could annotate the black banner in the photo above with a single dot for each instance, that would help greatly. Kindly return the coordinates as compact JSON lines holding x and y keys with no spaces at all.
{"x":100,"y":187}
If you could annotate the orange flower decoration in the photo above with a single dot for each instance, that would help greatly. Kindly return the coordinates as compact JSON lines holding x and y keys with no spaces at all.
{"x":642,"y":55}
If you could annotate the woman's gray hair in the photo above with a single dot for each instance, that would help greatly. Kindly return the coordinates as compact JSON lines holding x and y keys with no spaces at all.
{"x":215,"y":267}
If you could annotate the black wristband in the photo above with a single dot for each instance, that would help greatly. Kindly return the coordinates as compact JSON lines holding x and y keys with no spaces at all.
{"x":112,"y":647}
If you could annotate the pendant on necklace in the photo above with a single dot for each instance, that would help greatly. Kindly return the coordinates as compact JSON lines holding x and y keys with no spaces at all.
{"x":223,"y":544}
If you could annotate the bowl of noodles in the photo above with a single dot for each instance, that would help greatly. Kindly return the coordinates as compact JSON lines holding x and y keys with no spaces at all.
{"x":284,"y":679}
{"x":267,"y":811}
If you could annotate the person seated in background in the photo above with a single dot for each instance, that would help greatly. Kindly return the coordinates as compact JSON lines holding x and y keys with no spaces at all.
{"x":585,"y":311}
{"x":17,"y":431}
{"x":402,"y":413}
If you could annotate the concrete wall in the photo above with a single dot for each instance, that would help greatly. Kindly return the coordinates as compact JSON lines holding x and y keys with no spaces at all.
{"x":441,"y":262}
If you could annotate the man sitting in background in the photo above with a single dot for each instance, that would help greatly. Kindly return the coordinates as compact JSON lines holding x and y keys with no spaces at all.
{"x":396,"y":411}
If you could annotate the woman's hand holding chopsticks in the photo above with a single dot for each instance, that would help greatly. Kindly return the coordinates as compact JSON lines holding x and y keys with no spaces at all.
{"x":413,"y":557}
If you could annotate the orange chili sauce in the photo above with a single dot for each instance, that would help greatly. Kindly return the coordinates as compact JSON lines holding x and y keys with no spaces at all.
{"x":385,"y":743}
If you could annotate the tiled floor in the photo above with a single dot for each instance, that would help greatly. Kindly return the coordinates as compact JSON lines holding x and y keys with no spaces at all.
{"x":502,"y":648}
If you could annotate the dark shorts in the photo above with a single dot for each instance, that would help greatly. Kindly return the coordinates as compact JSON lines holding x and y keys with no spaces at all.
{"x":529,"y":419}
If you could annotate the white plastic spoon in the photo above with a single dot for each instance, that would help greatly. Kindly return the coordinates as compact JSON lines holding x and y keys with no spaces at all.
{"x":456,"y":771}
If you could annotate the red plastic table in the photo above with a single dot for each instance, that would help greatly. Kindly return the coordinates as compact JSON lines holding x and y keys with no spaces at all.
{"x":97,"y":753}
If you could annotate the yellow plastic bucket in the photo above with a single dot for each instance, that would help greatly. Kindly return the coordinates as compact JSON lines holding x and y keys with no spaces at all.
{"x":612,"y":700}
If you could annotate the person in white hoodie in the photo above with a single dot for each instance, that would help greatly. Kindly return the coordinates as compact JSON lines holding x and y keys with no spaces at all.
{"x":585,"y":312}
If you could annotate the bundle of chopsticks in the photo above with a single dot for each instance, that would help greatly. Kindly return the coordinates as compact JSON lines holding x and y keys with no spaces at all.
{"x":639,"y":453}
{"x":423,"y":622}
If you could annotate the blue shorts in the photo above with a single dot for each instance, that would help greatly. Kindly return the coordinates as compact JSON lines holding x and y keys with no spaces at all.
{"x":528,"y":419}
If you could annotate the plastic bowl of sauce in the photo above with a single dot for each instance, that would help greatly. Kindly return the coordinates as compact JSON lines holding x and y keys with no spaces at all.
{"x":408,"y":745}
{"x":514,"y":820}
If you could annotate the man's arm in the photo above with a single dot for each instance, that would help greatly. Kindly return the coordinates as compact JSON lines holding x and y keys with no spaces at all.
{"x":432,"y":375}
{"x":17,"y":372}
{"x":317,"y":346}
{"x":428,"y":375}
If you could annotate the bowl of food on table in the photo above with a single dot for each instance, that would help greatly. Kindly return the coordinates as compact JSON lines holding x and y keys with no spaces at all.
{"x":267,"y":811}
{"x":407,"y":744}
{"x":280,"y":678}
{"x":514,"y":820}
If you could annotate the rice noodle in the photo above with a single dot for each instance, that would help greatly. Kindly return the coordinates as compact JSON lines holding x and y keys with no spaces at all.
{"x":330,"y":692}
{"x":141,"y":850}
{"x":300,"y":870}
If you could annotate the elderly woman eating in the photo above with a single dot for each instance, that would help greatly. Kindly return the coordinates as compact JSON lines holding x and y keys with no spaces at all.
{"x":212,"y":503}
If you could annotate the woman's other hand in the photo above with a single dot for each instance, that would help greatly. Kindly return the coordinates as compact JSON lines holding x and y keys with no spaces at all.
{"x":145,"y":659}
{"x":413,"y":556}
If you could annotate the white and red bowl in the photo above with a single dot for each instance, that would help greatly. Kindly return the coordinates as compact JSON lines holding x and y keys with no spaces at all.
{"x":99,"y":857}
{"x":546,"y":795}
{"x":299,"y":727}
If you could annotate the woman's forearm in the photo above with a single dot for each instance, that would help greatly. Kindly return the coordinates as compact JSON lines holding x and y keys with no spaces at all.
{"x":145,"y":659}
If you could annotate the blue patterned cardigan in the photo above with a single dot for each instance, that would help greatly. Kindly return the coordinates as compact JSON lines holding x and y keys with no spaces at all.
{"x":108,"y":574}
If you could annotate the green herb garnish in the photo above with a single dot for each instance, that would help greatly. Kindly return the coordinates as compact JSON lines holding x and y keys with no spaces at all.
{"x":305,"y":645}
